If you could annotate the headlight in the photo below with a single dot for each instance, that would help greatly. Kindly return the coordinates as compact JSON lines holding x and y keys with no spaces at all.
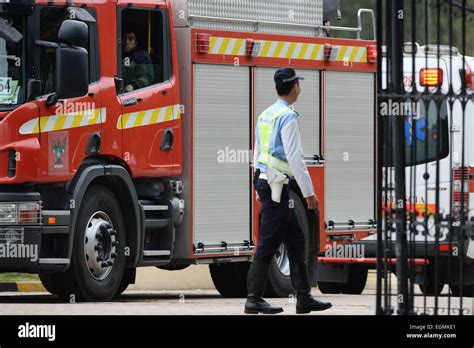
{"x":7,"y":213}
{"x":20,"y":213}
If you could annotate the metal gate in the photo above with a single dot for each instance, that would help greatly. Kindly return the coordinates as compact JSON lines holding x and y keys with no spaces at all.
{"x":425,"y":239}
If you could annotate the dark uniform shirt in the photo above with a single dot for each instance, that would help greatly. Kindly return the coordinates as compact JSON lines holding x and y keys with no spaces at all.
{"x":138,"y":69}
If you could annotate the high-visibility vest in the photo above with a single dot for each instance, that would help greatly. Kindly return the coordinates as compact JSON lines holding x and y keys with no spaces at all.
{"x":266,"y":129}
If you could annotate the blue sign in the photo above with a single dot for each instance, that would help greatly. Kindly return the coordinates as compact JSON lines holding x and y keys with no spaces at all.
{"x":419,"y":126}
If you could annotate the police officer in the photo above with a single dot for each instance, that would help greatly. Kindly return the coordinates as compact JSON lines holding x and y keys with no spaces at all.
{"x":278,"y":149}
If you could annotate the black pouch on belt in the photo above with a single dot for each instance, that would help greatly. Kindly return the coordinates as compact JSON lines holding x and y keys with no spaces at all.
{"x":256,"y":176}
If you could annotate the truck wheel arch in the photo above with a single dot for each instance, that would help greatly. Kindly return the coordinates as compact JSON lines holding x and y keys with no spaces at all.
{"x":96,"y":172}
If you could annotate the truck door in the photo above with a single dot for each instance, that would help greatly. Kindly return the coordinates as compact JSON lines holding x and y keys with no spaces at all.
{"x":349,"y":126}
{"x":148,"y":110}
{"x":66,"y":127}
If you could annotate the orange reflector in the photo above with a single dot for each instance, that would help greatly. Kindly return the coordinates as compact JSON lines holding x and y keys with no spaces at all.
{"x":446,"y":247}
{"x":52,"y":220}
{"x":431,"y":77}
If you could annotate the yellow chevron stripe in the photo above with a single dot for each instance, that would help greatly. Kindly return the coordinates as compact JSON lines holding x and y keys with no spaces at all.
{"x":363,"y":58}
{"x":291,"y":50}
{"x":77,"y":121}
{"x":92,"y":118}
{"x":60,"y":122}
{"x":316,"y":50}
{"x":353,"y":56}
{"x":212,"y":44}
{"x":169,"y":114}
{"x":36,"y":129}
{"x":266,"y":48}
{"x":43,"y":121}
{"x":342,"y":53}
{"x":154,"y":119}
{"x":312,"y":51}
{"x":139,"y":119}
{"x":278,"y":50}
{"x":154,"y":116}
{"x":237,"y":47}
{"x":225,"y":45}
{"x":303,"y":51}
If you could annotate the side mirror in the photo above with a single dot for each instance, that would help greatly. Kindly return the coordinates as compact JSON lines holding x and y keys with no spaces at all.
{"x":72,"y":62}
{"x":34,"y":89}
{"x":73,"y":33}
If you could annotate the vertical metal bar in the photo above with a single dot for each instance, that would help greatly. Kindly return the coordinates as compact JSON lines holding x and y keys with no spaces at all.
{"x":464,"y":219}
{"x":397,"y":15}
{"x":389,"y":201}
{"x":379,"y":309}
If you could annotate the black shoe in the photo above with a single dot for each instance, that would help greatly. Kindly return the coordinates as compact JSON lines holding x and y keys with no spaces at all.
{"x":256,"y":282}
{"x":305,"y":302}
{"x":255,"y":305}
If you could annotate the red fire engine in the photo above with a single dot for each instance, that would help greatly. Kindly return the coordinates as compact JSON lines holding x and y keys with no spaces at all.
{"x":108,"y":163}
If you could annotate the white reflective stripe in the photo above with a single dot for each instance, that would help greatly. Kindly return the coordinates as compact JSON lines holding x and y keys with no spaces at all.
{"x":359,"y":55}
{"x":103,"y":115}
{"x":29,"y":127}
{"x":218,"y":44}
{"x":272,"y":50}
{"x":320,"y":54}
{"x":297,"y":50}
{"x":147,"y":118}
{"x":131,"y":120}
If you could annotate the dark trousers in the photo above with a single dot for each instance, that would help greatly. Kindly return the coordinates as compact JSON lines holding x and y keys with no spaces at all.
{"x":279,"y":225}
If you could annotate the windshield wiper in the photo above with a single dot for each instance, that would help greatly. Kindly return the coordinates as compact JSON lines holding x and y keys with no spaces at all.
{"x":9,"y":33}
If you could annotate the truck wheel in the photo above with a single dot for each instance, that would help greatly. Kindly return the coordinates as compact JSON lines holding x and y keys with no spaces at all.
{"x":129,"y":276}
{"x":98,"y":259}
{"x":467,"y":290}
{"x":357,"y":279}
{"x":329,"y":288}
{"x":428,"y":286}
{"x":279,"y":284}
{"x":230,"y":279}
{"x":355,"y":285}
{"x":49,"y":282}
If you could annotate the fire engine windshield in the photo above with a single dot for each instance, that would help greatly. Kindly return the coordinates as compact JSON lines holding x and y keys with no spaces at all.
{"x":12,"y":70}
{"x":426,"y":130}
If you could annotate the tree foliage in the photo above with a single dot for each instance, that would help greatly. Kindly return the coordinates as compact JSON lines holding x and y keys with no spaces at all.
{"x":433,"y":20}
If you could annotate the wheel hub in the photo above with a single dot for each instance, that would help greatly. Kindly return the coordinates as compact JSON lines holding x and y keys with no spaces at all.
{"x":282,"y":260}
{"x":100,"y":245}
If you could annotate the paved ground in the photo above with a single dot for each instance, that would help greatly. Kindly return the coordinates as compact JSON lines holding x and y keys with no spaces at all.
{"x":168,"y":303}
{"x":184,"y":303}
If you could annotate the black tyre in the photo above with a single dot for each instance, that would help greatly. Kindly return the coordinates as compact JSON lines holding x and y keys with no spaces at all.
{"x":467,"y":290}
{"x":355,"y":285}
{"x":330,"y":288}
{"x":428,"y":286}
{"x":279,"y":284}
{"x":356,"y":281}
{"x":98,"y":259}
{"x":128,"y":279}
{"x":49,"y":282}
{"x":230,"y":279}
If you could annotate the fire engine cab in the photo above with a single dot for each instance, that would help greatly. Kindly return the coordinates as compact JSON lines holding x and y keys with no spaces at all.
{"x":126,"y":132}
